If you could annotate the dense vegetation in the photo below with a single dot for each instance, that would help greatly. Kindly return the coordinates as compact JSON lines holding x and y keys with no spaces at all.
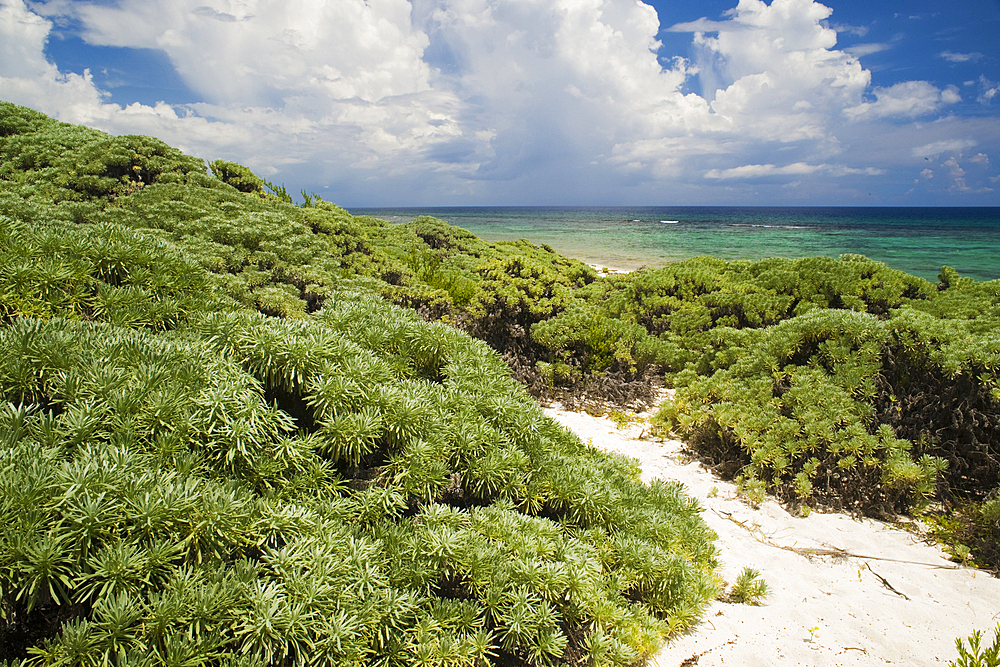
{"x":828,"y":382}
{"x":870,"y":390}
{"x":242,"y":430}
{"x":221,"y":442}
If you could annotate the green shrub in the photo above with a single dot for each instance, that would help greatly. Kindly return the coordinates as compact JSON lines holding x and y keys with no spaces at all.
{"x":74,"y":163}
{"x":226,"y":439}
{"x":976,"y":655}
{"x":222,"y":441}
{"x":795,"y":401}
{"x":202,"y":510}
{"x":969,"y":530}
{"x":749,"y":588}
{"x":595,"y":343}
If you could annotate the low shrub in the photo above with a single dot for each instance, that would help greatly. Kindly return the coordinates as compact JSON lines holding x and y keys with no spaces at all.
{"x":976,"y":655}
{"x":221,"y":443}
{"x":749,"y":588}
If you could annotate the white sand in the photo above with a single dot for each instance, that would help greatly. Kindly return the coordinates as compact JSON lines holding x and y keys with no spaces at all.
{"x":609,"y":270}
{"x":826,"y":572}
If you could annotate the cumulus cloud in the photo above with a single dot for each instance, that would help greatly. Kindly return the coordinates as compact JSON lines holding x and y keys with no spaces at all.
{"x":255,"y":52}
{"x":957,"y":174}
{"x":989,"y":90}
{"x":778,"y":47}
{"x":470,"y":98}
{"x":556,"y":80}
{"x":26,"y":77}
{"x":771,"y":74}
{"x":956,"y":178}
{"x":908,"y":99}
{"x":339,"y":85}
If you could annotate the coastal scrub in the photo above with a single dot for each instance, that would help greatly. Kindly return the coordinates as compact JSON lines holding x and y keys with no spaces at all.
{"x":228,"y":436}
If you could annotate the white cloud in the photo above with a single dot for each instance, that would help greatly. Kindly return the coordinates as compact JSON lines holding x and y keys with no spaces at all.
{"x":841,"y":170}
{"x":26,"y":77}
{"x":953,"y":57}
{"x":450,"y":99}
{"x":560,"y":81}
{"x":861,"y":50}
{"x":799,"y":168}
{"x":957,"y":174}
{"x":24,"y":35}
{"x":944,"y":146}
{"x":282,"y":84}
{"x":762,"y":170}
{"x":772,"y":75}
{"x":908,"y":99}
{"x":989,"y":89}
{"x":259,"y":52}
{"x":981,"y":159}
{"x":859,"y":30}
{"x":960,"y":179}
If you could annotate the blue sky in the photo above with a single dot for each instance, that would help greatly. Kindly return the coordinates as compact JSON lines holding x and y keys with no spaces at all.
{"x":535,"y":102}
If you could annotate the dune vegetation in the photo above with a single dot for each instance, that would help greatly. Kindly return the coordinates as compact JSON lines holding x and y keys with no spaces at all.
{"x":228,"y":436}
{"x":238,"y":430}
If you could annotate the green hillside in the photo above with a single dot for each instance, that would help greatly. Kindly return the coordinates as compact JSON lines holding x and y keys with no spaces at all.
{"x":229,"y":437}
{"x":240,"y":430}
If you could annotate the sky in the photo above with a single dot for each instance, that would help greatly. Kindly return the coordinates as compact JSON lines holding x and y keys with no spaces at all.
{"x":539,"y":102}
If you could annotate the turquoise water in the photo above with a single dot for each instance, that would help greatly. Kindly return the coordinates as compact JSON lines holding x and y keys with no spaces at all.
{"x":916,"y":240}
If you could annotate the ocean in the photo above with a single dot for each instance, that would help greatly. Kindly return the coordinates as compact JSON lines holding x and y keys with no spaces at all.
{"x":918,"y":241}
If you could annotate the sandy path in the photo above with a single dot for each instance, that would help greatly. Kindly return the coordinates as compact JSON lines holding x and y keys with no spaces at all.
{"x":872,"y":594}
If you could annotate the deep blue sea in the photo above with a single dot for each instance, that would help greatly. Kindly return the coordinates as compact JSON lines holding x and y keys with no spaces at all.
{"x":918,"y":241}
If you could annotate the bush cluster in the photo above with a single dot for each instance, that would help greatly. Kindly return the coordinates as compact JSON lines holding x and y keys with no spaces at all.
{"x":223,"y":439}
{"x":241,"y":430}
{"x":840,"y":383}
{"x":836,"y":382}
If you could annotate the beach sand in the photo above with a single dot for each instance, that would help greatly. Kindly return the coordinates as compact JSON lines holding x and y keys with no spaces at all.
{"x":609,"y":270}
{"x":843,"y":591}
